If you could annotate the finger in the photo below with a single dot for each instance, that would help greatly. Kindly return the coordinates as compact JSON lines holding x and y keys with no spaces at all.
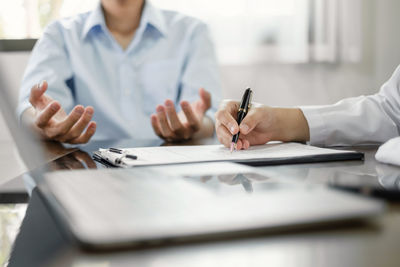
{"x":85,"y":137}
{"x":37,"y":92}
{"x":174,"y":122}
{"x":239,"y":144}
{"x":224,"y":136}
{"x":231,"y":106}
{"x":46,"y":114}
{"x":156,"y":125}
{"x":205,"y":96}
{"x":246,"y":143}
{"x":252,"y":119}
{"x":80,"y":125}
{"x":225,"y":118}
{"x":192,"y":120}
{"x":165,"y":129}
{"x":65,"y":126}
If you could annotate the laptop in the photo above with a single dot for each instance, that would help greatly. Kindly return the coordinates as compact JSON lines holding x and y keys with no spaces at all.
{"x":152,"y":206}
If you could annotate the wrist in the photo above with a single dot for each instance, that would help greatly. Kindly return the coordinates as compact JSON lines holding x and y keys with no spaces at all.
{"x":206,"y":128}
{"x":28,"y":122}
{"x":291,"y":125}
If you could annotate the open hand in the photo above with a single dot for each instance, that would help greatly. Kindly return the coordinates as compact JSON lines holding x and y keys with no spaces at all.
{"x":173,"y":126}
{"x":52,"y":122}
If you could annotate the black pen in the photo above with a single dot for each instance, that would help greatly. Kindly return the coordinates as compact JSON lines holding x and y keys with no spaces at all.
{"x":242,"y":112}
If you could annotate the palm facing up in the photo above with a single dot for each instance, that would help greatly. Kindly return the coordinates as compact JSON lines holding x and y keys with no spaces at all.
{"x":173,"y":126}
{"x":52,"y":122}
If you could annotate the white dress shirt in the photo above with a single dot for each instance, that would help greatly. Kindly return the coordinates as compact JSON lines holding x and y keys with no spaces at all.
{"x":360,"y":120}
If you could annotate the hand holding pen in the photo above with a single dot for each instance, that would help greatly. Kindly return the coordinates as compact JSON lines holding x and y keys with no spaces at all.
{"x":261,"y":125}
{"x":241,"y":113}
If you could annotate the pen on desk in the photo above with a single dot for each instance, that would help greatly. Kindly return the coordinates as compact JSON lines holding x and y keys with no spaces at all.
{"x":119,"y":151}
{"x":242,"y":112}
{"x":115,"y":150}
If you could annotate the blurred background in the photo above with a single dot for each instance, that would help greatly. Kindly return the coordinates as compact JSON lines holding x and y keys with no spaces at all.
{"x":291,"y":52}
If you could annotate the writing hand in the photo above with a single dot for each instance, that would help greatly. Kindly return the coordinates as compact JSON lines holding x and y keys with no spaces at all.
{"x":261,"y":125}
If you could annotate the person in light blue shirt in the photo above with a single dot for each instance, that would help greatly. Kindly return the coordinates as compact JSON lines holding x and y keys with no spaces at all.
{"x":124,"y":70}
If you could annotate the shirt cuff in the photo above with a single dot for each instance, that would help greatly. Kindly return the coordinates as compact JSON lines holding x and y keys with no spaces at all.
{"x":318,"y":128}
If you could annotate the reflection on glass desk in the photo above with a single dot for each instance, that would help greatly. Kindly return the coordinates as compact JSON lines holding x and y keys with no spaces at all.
{"x":41,"y":243}
{"x":368,"y":177}
{"x":66,"y":157}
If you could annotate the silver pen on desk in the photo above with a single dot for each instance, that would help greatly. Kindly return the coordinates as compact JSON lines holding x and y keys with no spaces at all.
{"x":115,"y":156}
{"x":120,"y":151}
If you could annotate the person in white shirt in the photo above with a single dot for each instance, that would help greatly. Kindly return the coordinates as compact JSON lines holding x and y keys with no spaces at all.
{"x":353,"y":121}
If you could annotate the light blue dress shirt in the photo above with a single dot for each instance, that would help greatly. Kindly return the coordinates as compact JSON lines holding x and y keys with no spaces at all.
{"x":171,"y":56}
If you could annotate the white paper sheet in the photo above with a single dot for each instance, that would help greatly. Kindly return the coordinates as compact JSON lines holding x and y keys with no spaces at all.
{"x":212,"y":153}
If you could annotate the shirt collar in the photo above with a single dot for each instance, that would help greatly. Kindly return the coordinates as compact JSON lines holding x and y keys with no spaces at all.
{"x":150,"y":16}
{"x":153,"y":16}
{"x":95,"y":18}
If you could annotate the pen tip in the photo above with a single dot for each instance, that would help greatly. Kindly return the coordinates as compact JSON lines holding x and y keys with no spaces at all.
{"x":233,"y":147}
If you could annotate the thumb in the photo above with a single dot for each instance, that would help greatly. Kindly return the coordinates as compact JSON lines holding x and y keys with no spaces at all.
{"x":252,"y":119}
{"x":36,"y":95}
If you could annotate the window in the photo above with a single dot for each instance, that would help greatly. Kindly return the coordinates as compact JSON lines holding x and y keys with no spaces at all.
{"x":20,"y":19}
{"x":251,"y":31}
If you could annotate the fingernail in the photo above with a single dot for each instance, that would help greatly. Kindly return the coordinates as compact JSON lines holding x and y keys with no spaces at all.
{"x":90,"y":111}
{"x":41,"y":84}
{"x":244,"y":127}
{"x":231,"y":127}
{"x":54,"y":106}
{"x":79,"y":111}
